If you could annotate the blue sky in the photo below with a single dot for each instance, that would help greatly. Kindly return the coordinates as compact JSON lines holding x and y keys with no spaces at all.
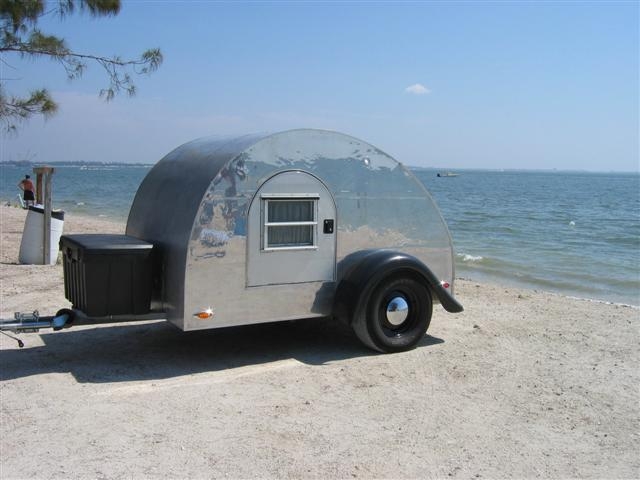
{"x":449,"y":85}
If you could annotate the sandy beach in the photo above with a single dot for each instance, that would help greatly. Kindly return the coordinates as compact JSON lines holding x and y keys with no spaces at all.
{"x":523,"y":384}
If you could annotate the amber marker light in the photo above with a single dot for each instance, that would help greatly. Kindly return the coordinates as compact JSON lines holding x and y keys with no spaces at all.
{"x":205,"y":314}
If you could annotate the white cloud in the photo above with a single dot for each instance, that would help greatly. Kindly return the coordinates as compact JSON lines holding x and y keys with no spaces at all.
{"x":417,"y":89}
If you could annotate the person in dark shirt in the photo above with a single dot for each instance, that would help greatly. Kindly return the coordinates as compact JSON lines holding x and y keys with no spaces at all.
{"x":26,"y":185}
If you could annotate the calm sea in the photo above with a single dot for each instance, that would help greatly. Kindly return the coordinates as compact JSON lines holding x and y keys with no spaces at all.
{"x":576,"y":234}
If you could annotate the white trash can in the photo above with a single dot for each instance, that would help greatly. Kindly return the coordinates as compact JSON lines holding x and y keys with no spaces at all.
{"x":32,"y":244}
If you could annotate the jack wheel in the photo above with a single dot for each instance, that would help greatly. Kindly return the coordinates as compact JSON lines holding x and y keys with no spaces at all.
{"x":70,"y":313}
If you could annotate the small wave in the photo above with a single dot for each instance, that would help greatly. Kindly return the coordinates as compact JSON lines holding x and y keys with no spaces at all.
{"x":470,"y":258}
{"x":605,"y":302}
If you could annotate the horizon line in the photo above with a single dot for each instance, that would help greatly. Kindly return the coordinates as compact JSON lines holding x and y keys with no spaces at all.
{"x":410,"y":167}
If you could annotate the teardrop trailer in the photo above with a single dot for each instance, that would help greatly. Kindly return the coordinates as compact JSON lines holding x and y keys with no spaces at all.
{"x":262,"y":228}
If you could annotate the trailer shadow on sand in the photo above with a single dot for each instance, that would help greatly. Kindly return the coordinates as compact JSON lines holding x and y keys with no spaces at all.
{"x":158,"y":350}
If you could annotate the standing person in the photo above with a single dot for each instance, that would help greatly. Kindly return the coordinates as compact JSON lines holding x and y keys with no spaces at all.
{"x":26,"y":185}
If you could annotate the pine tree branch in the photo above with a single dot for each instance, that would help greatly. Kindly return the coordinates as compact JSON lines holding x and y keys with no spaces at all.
{"x":151,"y":57}
{"x":14,"y":110}
{"x":19,"y":34}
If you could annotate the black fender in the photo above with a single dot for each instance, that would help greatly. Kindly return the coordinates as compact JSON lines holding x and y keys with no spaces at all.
{"x":362,"y":271}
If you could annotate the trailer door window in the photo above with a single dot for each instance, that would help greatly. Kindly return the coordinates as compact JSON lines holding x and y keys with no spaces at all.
{"x":290,"y":223}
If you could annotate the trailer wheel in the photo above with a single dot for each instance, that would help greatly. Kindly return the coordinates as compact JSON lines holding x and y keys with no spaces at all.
{"x":395,"y":316}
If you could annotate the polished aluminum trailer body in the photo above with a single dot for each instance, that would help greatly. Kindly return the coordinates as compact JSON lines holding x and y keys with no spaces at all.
{"x":261,"y":228}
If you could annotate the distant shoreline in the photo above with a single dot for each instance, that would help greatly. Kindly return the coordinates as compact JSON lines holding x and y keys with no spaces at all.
{"x":435,"y":169}
{"x":27,"y":164}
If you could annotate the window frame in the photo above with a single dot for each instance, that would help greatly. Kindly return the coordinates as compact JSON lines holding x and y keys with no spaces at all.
{"x":266,"y":224}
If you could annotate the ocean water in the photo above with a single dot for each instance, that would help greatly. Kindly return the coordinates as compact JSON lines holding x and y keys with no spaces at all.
{"x":576,"y":234}
{"x":102,"y":191}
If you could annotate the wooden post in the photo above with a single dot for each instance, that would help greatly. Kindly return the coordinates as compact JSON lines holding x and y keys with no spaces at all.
{"x":38,"y":187}
{"x":45,"y":198}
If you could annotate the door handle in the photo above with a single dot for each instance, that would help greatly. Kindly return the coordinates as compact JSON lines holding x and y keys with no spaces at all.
{"x":327,"y":226}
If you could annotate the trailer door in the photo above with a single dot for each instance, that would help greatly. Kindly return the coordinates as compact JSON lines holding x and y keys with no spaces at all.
{"x":291,"y":231}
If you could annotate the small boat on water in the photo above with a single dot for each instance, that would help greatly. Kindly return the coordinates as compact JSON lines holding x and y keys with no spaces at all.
{"x":448,"y":174}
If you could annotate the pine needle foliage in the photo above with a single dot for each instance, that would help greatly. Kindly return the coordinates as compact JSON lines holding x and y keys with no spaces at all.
{"x":20,"y":38}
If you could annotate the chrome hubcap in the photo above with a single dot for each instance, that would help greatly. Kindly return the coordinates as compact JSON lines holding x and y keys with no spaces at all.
{"x":397,"y":311}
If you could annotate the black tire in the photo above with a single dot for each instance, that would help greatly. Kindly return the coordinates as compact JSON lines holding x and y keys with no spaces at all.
{"x":375,"y":324}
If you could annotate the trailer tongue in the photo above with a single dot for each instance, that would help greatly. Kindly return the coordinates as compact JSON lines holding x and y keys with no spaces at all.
{"x":65,"y":318}
{"x":31,"y":323}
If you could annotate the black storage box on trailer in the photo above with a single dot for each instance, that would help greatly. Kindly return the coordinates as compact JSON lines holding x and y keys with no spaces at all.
{"x":107,"y":274}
